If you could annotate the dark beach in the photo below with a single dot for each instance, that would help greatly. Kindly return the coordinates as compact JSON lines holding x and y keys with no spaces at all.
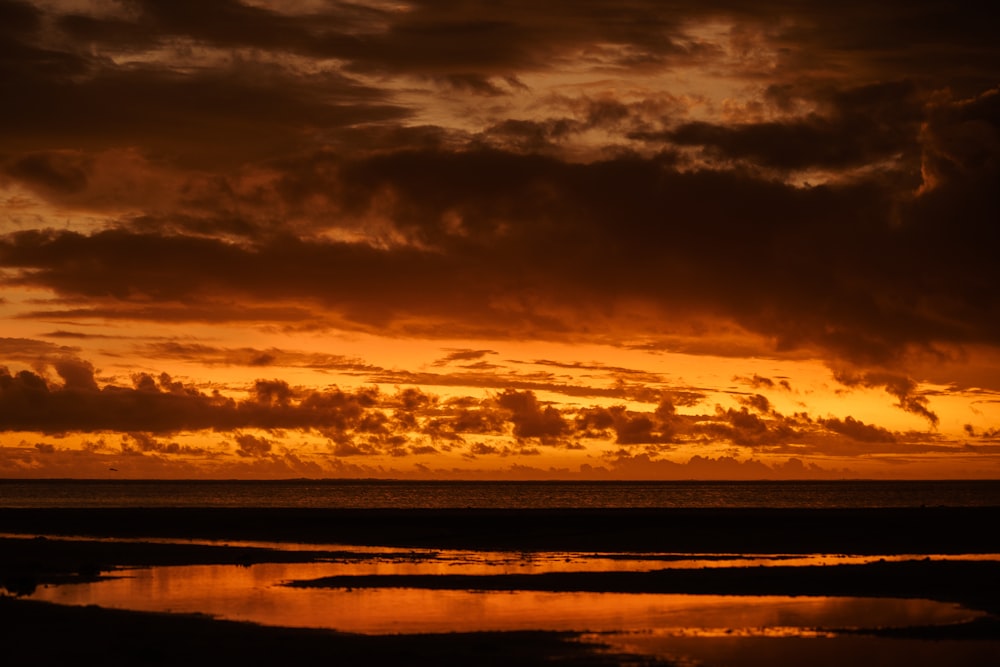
{"x":120,"y":637}
{"x":920,"y":530}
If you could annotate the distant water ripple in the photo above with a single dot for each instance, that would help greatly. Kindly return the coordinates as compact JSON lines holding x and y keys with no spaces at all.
{"x":513,"y":495}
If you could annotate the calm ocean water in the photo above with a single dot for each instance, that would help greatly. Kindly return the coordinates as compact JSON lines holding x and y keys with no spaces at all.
{"x":399,"y":494}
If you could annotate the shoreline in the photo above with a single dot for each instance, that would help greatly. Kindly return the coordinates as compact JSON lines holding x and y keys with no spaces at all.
{"x":971,"y":584}
{"x":152,"y":638}
{"x":888,"y":531}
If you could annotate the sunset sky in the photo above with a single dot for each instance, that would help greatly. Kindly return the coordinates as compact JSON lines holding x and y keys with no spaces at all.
{"x":572,"y":239}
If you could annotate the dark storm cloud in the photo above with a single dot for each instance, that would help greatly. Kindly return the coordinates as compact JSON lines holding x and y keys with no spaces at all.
{"x":18,"y":18}
{"x":212,"y":117}
{"x":864,"y":125}
{"x":479,"y":48}
{"x":437,"y":38}
{"x":534,"y":239}
{"x":61,"y":172}
{"x":184,"y":268}
{"x":64,"y":91}
{"x":68,"y":92}
{"x":452,"y":37}
{"x":206,"y":311}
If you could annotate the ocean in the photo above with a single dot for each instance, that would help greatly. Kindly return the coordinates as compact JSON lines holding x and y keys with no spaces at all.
{"x":506,"y":495}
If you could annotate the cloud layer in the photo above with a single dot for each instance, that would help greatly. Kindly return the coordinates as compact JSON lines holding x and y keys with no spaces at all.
{"x":781,"y":180}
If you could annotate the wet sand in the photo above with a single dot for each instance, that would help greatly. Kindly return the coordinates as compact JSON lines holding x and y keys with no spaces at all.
{"x":118,"y":637}
{"x":843,"y":531}
{"x":973,"y":584}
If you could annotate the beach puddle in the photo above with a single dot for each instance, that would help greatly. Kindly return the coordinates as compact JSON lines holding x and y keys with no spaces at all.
{"x":256,"y":593}
{"x":379,"y":560}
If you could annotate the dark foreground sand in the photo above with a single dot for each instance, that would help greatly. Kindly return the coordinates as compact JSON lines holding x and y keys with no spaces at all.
{"x":857,"y":531}
{"x":37,"y":633}
{"x":43,"y":634}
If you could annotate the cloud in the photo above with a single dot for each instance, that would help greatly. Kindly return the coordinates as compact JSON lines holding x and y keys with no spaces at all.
{"x":642,"y":466}
{"x":530,"y":418}
{"x":32,"y":351}
{"x":62,"y":172}
{"x":144,"y":443}
{"x":76,"y":374}
{"x":858,"y":430}
{"x":162,"y":405}
{"x":248,"y":356}
{"x":629,"y":427}
{"x":760,"y":382}
{"x":369,"y":423}
{"x":302,"y":161}
{"x":810,"y":286}
{"x":700,"y":178}
{"x":858,"y":127}
{"x":757,"y":402}
{"x":903,"y":388}
{"x":463,"y":355}
{"x":253,"y":446}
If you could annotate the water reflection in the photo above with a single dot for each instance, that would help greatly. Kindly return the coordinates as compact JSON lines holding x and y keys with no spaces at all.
{"x":255,"y":593}
{"x":377,"y":560}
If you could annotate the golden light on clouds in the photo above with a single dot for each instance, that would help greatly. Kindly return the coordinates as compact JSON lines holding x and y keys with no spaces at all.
{"x":517,"y":241}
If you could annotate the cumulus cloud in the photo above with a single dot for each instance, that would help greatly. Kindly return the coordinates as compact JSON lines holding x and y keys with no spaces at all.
{"x":530,"y":418}
{"x":251,"y":445}
{"x":162,"y":405}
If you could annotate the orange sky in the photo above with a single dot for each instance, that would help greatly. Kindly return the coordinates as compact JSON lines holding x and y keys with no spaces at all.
{"x":574,"y":240}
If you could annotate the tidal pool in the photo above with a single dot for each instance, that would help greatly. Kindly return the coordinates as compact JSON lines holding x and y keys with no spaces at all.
{"x":256,"y":593}
{"x":739,"y":631}
{"x":357,"y":560}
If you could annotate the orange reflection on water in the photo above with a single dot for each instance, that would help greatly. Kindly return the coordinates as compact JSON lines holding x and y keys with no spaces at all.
{"x":255,"y":594}
{"x":379,"y":560}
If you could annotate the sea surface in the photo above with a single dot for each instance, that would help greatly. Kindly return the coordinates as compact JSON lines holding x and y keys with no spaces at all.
{"x":512,"y":495}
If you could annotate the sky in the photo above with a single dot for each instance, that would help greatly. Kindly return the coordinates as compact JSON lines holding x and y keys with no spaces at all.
{"x":587,"y":239}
